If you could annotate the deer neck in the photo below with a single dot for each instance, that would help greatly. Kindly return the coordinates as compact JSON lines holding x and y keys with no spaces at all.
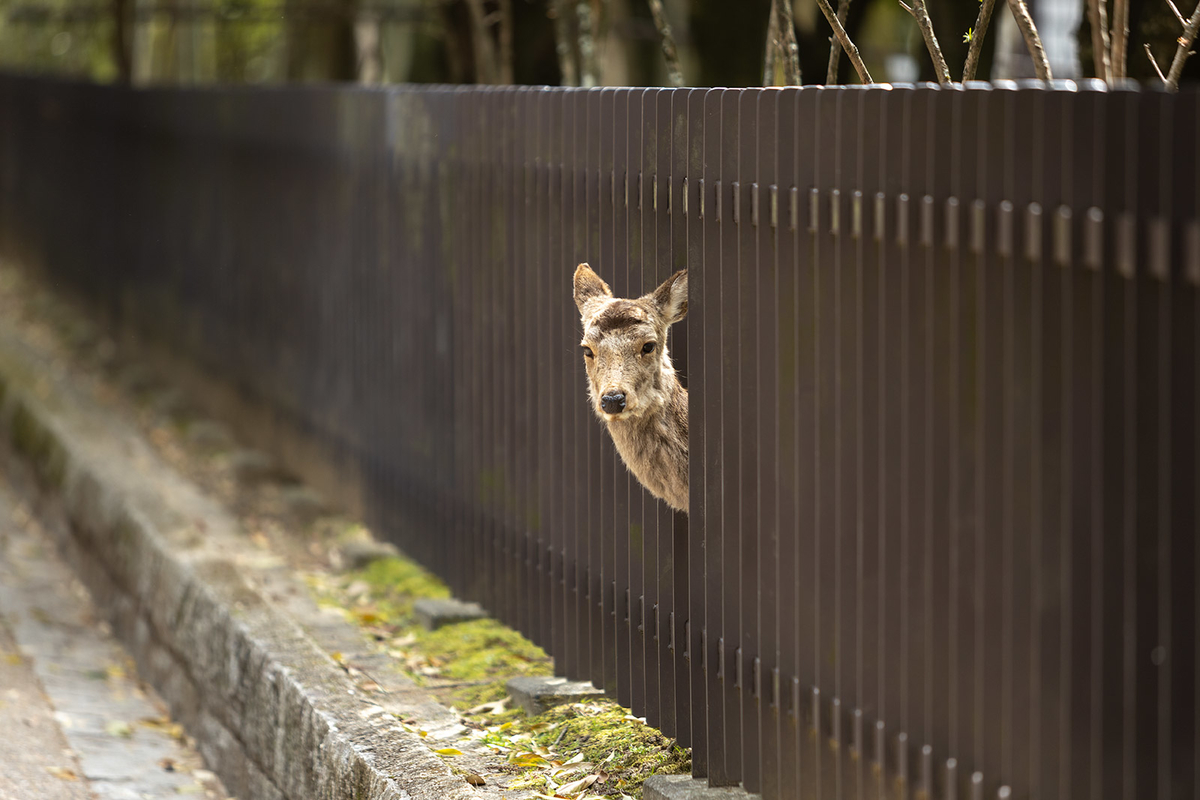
{"x":654,"y":444}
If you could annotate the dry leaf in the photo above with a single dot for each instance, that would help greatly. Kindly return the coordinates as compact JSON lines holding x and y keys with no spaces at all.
{"x":577,"y":787}
{"x":117,"y":727}
{"x":475,"y":780}
{"x":63,"y":773}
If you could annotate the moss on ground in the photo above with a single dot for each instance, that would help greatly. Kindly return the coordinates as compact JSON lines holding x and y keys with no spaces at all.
{"x":468,"y":664}
{"x":623,"y":747}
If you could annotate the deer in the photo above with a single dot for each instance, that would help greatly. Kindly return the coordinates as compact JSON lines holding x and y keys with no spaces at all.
{"x":632,"y":385}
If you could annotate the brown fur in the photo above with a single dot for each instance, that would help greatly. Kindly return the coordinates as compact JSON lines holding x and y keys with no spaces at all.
{"x":651,"y":434}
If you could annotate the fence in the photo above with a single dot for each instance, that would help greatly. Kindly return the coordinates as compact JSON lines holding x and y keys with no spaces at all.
{"x":942,"y":355}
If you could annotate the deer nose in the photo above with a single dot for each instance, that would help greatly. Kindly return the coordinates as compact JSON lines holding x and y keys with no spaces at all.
{"x":613,"y":402}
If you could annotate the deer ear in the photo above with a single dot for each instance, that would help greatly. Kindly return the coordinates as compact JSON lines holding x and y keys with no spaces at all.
{"x":588,"y":286}
{"x":671,"y":298}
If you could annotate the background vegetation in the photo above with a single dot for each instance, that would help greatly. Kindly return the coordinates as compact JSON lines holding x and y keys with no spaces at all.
{"x":572,"y":42}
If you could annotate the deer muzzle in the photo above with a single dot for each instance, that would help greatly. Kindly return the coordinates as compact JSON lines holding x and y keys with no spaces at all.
{"x":613,"y":402}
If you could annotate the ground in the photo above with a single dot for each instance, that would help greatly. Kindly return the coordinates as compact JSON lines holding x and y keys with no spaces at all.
{"x":595,"y":749}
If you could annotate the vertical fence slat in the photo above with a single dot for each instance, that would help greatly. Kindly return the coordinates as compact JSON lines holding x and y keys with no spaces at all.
{"x":712,"y":397}
{"x":763,"y":354}
{"x":690,"y":632}
{"x":786,"y":382}
{"x":661,"y":590}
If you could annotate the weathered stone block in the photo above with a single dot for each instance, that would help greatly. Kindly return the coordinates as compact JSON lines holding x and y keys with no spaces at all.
{"x":537,"y":695}
{"x":685,"y":787}
{"x":434,"y":614}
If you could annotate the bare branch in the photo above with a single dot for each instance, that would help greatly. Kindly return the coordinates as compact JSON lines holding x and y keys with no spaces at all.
{"x":674,"y":73}
{"x":921,"y":15}
{"x":835,"y":47}
{"x":587,"y":45}
{"x":1178,"y":16}
{"x":791,"y":49}
{"x":1154,"y":63}
{"x":562,"y":42}
{"x":1120,"y":39}
{"x":773,"y":53}
{"x":844,"y":38}
{"x":1101,"y":46}
{"x":1184,"y":50}
{"x":982,"y":20}
{"x":1020,"y":12}
{"x":506,"y":42}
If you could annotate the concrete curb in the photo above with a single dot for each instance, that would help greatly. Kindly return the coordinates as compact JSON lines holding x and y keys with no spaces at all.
{"x":272,"y":713}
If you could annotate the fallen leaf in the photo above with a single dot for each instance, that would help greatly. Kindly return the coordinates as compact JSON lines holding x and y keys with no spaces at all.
{"x":577,"y":787}
{"x":191,"y":788}
{"x":497,"y":707}
{"x":63,"y":773}
{"x":475,"y":780}
{"x":117,"y":727}
{"x":448,"y":751}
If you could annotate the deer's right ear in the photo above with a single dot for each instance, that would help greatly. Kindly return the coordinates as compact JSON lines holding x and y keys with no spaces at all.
{"x":589,"y":287}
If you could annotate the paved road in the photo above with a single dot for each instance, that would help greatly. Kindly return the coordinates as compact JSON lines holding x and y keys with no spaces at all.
{"x":74,"y":720}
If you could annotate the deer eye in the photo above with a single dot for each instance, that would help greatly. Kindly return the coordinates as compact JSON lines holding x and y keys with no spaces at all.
{"x":587,"y":352}
{"x":648,"y":348}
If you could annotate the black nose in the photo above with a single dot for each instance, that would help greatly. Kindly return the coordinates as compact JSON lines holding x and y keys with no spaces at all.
{"x":613,"y":403}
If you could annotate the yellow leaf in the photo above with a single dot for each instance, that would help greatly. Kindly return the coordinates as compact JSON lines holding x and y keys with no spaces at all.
{"x":118,"y":728}
{"x":448,"y":751}
{"x":63,"y":773}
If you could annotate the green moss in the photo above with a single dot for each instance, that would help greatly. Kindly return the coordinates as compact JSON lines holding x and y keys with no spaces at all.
{"x":627,"y":749}
{"x":398,"y":583}
{"x":35,"y":443}
{"x":482,"y":654}
{"x":468,"y":664}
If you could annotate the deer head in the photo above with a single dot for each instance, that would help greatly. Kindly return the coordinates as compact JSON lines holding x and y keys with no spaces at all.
{"x":625,"y":344}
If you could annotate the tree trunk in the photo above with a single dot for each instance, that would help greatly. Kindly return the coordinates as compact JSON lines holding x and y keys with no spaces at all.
{"x":122,"y":41}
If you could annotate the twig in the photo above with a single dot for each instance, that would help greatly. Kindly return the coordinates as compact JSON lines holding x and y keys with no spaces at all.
{"x":1120,"y":38}
{"x":562,"y":43}
{"x":921,"y":15}
{"x":1154,"y":63}
{"x":506,"y":42}
{"x":1020,"y":12}
{"x":1178,"y":16}
{"x":1184,"y":50}
{"x":791,"y":49}
{"x":587,"y":45}
{"x":835,"y":47}
{"x":982,"y":21}
{"x":774,"y":50}
{"x":1098,"y":19}
{"x":844,"y":38}
{"x":674,"y":73}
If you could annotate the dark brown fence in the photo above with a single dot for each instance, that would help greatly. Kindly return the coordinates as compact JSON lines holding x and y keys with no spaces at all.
{"x":942,"y":356}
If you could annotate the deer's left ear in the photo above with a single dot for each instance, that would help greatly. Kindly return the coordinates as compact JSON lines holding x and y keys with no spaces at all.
{"x":671,"y":298}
